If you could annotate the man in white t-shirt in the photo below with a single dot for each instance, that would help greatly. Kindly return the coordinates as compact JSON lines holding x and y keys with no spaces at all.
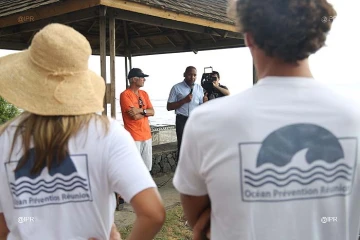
{"x":282,"y":163}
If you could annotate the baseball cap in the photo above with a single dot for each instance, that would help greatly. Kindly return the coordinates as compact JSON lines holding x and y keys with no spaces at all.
{"x":136,"y":72}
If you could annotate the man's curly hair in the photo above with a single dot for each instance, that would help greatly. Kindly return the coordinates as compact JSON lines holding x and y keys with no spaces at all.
{"x":290,"y":30}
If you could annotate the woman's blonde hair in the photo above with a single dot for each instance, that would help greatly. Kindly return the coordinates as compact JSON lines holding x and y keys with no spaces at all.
{"x":50,"y":136}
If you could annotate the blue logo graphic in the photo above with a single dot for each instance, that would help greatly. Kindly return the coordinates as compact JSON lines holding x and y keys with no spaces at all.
{"x":64,"y":182}
{"x":299,"y":161}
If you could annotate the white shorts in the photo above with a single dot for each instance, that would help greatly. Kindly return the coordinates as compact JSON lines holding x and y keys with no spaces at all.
{"x":145,"y":149}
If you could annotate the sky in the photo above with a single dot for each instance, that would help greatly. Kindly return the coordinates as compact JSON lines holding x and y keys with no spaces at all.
{"x":336,"y":64}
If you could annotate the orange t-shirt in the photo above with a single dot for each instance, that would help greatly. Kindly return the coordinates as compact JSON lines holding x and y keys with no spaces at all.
{"x":139,"y":129}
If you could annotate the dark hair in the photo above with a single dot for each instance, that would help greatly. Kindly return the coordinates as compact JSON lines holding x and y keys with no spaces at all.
{"x":217,"y":73}
{"x":189,"y":68}
{"x":290,"y":30}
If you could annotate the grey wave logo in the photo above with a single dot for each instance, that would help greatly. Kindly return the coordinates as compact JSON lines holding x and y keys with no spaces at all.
{"x":301,"y":157}
{"x":280,"y":146}
{"x":61,"y":184}
{"x":24,"y":180}
{"x":274,"y":177}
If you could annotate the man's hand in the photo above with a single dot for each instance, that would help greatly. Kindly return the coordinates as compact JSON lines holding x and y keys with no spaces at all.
{"x":224,"y":91}
{"x":188,"y":98}
{"x":205,"y":98}
{"x":134,"y":111}
{"x":216,"y":84}
{"x":201,"y":229}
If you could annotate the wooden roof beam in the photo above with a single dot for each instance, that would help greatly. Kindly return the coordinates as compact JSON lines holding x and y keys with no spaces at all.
{"x":234,"y":43}
{"x":137,"y":46}
{"x":92,"y":25}
{"x":90,"y":13}
{"x":213,"y":38}
{"x":132,"y":27}
{"x":190,"y":41}
{"x":170,"y":41}
{"x":30,"y":39}
{"x":187,"y":39}
{"x":13,"y":46}
{"x":48,"y":11}
{"x":170,"y":33}
{"x":200,"y":47}
{"x":166,"y":23}
{"x":165,"y":14}
{"x":148,"y":43}
{"x":127,"y":50}
{"x":120,"y":43}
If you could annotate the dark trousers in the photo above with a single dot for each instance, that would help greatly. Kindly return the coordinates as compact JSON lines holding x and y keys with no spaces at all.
{"x":180,"y":124}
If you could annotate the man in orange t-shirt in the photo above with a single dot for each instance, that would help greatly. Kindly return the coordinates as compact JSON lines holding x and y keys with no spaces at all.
{"x":136,"y":108}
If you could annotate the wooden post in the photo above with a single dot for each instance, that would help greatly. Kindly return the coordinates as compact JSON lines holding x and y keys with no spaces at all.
{"x":102,"y":26}
{"x":126,"y":72}
{"x":126,"y":53}
{"x":130,"y":61}
{"x":112,"y":65}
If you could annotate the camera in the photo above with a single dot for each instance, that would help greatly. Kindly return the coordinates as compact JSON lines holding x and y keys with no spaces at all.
{"x":207,"y":80}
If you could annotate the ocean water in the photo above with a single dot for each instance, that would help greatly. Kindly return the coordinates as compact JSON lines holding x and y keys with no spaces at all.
{"x":162,"y":115}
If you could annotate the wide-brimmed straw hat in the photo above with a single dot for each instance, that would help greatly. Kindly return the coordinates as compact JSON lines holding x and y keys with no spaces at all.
{"x":52,"y":76}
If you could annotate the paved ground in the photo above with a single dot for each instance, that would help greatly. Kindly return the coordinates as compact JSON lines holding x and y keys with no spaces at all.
{"x":168,"y":193}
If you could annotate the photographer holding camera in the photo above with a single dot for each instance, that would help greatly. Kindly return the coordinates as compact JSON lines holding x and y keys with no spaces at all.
{"x":217,"y":89}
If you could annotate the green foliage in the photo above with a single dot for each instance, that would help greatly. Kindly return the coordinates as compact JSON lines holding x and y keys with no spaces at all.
{"x":7,"y":111}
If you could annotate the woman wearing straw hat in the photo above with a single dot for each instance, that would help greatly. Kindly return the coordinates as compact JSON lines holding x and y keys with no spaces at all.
{"x":60,"y":162}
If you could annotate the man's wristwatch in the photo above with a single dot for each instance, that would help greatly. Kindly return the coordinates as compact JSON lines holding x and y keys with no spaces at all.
{"x":144,"y":112}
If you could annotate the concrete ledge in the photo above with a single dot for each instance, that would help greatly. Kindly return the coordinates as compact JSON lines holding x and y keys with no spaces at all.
{"x":163,"y":134}
{"x":164,"y":158}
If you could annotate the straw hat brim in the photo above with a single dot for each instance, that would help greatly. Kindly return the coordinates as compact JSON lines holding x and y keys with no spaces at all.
{"x":43,"y":92}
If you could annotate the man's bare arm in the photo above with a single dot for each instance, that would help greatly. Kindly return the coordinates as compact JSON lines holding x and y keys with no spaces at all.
{"x":193,"y":207}
{"x":224,"y":91}
{"x":150,"y":112}
{"x":201,"y":230}
{"x":4,"y":231}
{"x":135,"y":113}
{"x":138,"y":117}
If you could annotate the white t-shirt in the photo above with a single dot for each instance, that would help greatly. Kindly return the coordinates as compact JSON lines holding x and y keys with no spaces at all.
{"x":75,"y":200}
{"x":278,"y":161}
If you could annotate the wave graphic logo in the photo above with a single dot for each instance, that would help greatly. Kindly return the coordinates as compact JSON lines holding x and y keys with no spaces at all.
{"x":34,"y":187}
{"x":294,"y":174}
{"x":64,"y":183}
{"x":299,"y":161}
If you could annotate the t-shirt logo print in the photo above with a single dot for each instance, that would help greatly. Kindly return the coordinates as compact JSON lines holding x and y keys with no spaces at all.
{"x":298,"y":161}
{"x":64,"y":182}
